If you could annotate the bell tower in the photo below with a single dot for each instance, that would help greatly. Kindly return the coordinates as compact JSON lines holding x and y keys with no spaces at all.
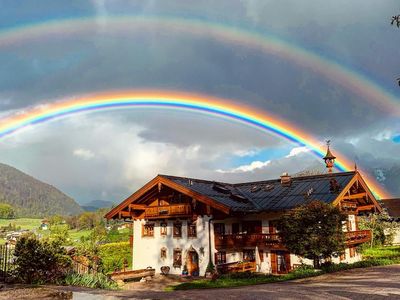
{"x":329,"y":158}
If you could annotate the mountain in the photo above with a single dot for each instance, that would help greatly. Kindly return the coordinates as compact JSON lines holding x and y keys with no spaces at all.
{"x":390,"y":178}
{"x":31,"y":197}
{"x":96,"y":204}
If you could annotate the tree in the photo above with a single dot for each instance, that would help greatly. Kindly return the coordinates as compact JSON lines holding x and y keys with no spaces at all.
{"x":381,"y":226}
{"x":313,"y":230}
{"x":6,"y":211}
{"x":59,"y":233}
{"x":40,"y":261}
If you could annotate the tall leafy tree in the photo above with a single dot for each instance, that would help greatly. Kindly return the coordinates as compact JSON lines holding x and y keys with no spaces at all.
{"x":383,"y":229}
{"x":314,"y":231}
{"x":7,"y":211}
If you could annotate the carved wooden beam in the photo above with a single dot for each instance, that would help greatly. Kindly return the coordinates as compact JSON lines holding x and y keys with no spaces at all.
{"x":137,"y":206}
{"x":355,"y":196}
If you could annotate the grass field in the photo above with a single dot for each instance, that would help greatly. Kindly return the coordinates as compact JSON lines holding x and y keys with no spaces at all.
{"x":24,"y":223}
{"x":33,"y":224}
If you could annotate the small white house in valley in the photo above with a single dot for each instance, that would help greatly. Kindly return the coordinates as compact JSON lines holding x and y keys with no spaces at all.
{"x":184,"y":223}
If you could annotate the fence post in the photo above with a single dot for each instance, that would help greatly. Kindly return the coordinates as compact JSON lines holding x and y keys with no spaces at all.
{"x":5,"y":261}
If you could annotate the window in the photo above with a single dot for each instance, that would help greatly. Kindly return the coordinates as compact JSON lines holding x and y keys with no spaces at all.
{"x":251,"y":227}
{"x":220,"y":257}
{"x":148,"y":230}
{"x":192,"y":229}
{"x":163,"y":229}
{"x":163,"y":253}
{"x":177,"y":229}
{"x":352,"y":251}
{"x":343,"y":256}
{"x":219,"y":228}
{"x":177,"y":258}
{"x":249,"y":255}
{"x":235,"y":228}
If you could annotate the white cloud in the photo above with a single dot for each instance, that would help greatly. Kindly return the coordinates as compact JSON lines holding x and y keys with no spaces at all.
{"x":298,"y":150}
{"x":247,"y":168}
{"x":83,"y":153}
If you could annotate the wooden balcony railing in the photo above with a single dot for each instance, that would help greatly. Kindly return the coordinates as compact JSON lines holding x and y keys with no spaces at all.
{"x":246,"y":240}
{"x":357,"y":237}
{"x":227,"y":241}
{"x":235,"y":267}
{"x":167,"y":211}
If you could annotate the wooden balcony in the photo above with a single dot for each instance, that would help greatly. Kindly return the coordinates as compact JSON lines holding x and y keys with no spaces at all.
{"x":173,"y":210}
{"x":357,"y":237}
{"x":241,"y":240}
{"x":229,"y":241}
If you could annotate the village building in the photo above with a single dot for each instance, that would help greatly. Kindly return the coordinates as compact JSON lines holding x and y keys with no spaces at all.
{"x":183,"y":223}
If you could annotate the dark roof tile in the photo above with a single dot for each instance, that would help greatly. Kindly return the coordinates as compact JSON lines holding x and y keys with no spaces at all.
{"x":278,"y":198}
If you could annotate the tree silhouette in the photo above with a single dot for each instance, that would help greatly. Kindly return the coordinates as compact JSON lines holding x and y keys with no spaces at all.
{"x":396,"y":22}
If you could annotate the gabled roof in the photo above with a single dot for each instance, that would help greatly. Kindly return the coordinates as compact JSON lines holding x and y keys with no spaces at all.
{"x":269,"y":194}
{"x":259,"y":196}
{"x":392,"y":206}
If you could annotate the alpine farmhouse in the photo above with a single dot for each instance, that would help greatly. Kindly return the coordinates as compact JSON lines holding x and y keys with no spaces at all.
{"x":184,"y":223}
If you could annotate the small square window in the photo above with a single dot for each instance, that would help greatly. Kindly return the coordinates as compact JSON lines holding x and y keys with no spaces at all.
{"x":148,"y":230}
{"x":220,"y":257}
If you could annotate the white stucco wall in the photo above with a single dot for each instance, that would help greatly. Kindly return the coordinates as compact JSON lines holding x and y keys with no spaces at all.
{"x":146,"y":250}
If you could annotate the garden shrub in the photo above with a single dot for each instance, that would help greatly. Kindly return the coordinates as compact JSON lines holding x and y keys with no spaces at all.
{"x":40,"y":261}
{"x":113,"y":256}
{"x":98,"y":280}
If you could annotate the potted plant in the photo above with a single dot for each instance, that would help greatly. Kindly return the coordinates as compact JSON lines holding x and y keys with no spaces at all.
{"x":185,"y":271}
{"x":165,"y":270}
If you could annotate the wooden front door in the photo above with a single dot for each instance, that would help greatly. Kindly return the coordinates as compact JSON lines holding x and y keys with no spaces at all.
{"x":280,"y":262}
{"x":193,"y":263}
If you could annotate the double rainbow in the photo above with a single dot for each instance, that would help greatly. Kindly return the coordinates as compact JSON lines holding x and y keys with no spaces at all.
{"x":174,"y":100}
{"x":125,"y":26}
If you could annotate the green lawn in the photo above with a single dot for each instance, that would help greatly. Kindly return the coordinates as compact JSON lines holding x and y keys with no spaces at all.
{"x":75,"y":235}
{"x":389,"y":252}
{"x":372,"y":257}
{"x":24,"y":223}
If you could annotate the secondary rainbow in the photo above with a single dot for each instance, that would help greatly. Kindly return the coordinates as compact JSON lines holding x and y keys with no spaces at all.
{"x":162,"y":99}
{"x":347,"y":77}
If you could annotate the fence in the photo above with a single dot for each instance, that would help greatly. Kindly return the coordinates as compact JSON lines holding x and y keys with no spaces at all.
{"x":6,"y":260}
{"x":80,"y":267}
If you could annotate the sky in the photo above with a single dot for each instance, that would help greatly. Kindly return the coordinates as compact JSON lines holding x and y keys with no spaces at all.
{"x":107,"y":155}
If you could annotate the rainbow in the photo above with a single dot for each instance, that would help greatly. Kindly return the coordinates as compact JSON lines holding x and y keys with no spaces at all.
{"x":175,"y":100}
{"x":348,"y":78}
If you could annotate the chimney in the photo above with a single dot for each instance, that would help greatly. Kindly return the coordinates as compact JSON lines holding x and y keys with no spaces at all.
{"x":286,"y":179}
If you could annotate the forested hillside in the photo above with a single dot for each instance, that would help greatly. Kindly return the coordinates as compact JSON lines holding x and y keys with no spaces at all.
{"x":31,"y":197}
